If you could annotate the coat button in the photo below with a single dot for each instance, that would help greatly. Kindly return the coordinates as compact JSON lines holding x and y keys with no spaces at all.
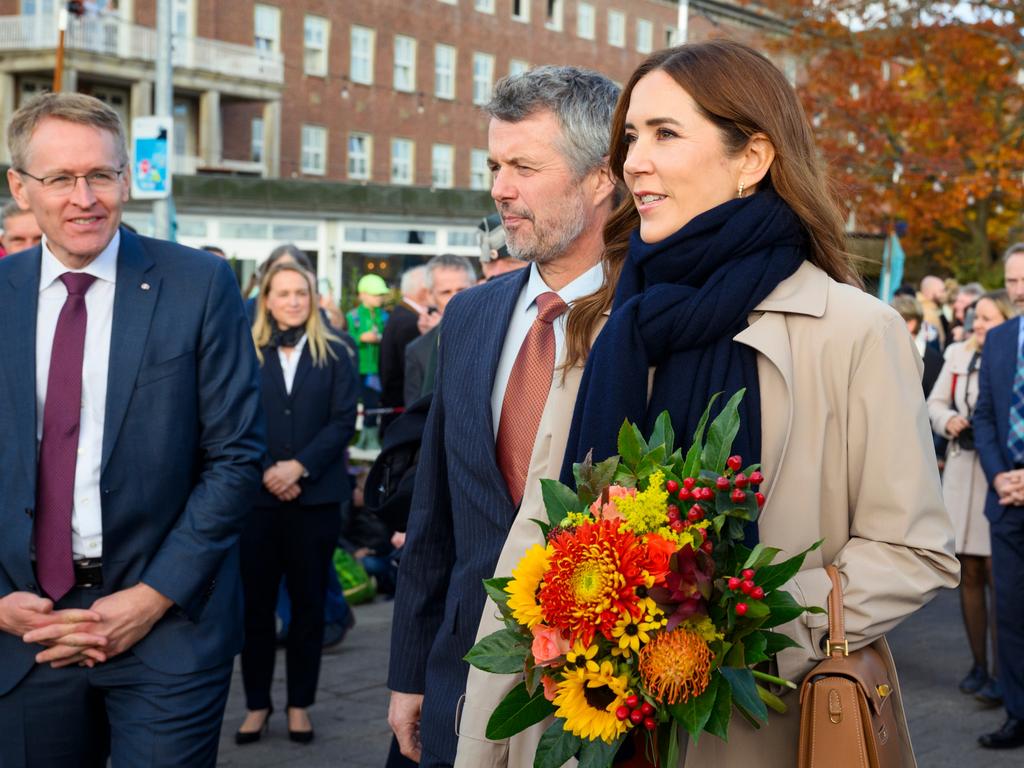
{"x":287,"y":411}
{"x":30,"y":513}
{"x":30,"y":587}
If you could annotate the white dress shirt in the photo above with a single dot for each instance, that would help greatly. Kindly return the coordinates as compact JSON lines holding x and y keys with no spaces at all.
{"x":87,"y":511}
{"x":523,"y":315}
{"x":290,"y":364}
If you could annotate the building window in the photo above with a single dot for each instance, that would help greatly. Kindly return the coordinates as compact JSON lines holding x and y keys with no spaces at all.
{"x":442,"y":162}
{"x":450,"y":2}
{"x":267,"y":27}
{"x":617,"y":29}
{"x":256,"y":140}
{"x":521,"y":10}
{"x":314,"y":149}
{"x":444,"y":71}
{"x":517,"y":67}
{"x":479,"y":172}
{"x":483,"y":77}
{"x":361,"y":57}
{"x":401,"y":161}
{"x":405,"y":63}
{"x":671,"y":37}
{"x":314,"y":59}
{"x":182,"y":16}
{"x":585,"y":21}
{"x":360,"y":151}
{"x":644,"y":36}
{"x":484,"y":6}
{"x":553,"y":19}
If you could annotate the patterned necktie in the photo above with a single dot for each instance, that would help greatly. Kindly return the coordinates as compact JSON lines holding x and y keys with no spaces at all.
{"x":526,"y":394}
{"x":58,"y":451}
{"x":1015,"y":439}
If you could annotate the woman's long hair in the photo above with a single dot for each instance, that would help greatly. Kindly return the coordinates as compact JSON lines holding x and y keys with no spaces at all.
{"x":318,"y":338}
{"x":742,"y":93}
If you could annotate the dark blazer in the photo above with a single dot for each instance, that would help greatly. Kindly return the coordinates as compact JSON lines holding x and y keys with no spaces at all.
{"x":313,"y":424}
{"x":421,"y":365}
{"x":992,"y":413}
{"x":460,"y":516}
{"x":401,"y":329}
{"x":182,"y":442}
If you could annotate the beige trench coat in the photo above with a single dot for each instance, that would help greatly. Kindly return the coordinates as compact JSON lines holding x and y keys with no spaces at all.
{"x":847,"y":453}
{"x":964,"y":485}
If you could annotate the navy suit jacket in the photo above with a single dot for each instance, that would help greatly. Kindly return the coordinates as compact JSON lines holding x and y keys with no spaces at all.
{"x":992,"y":413}
{"x":313,"y":424}
{"x":460,"y":516}
{"x":182,"y":442}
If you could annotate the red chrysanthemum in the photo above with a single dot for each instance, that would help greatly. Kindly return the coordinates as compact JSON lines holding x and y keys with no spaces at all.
{"x":592,"y":579}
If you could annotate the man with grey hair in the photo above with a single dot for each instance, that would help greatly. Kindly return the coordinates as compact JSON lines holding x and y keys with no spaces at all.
{"x":445,"y":276}
{"x":18,"y":229}
{"x":402,"y":329}
{"x":1013,"y":274}
{"x":966,"y":295}
{"x":499,"y":345}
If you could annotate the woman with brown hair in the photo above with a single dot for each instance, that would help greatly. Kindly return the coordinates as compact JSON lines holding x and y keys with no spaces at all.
{"x":727,"y":271}
{"x":964,"y":487}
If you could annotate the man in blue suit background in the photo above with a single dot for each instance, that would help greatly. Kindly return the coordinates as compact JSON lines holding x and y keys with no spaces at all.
{"x":130,"y":436}
{"x":547,"y":140}
{"x":999,"y":439}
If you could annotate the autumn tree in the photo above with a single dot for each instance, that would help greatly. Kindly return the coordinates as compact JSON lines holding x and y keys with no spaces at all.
{"x":918,"y":108}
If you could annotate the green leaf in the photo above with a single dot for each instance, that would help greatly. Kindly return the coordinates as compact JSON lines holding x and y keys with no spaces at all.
{"x":755,"y":644}
{"x":559,"y":500}
{"x":598,"y":754}
{"x":495,"y":589}
{"x":721,"y":434}
{"x":694,"y":712}
{"x":783,"y":607}
{"x":744,"y":692}
{"x":774,"y":576}
{"x":693,"y":463}
{"x":517,"y":712}
{"x":545,"y":528}
{"x":776,"y":641}
{"x":503,"y":652}
{"x":632,"y":445}
{"x":663,"y":434}
{"x":556,"y":746}
{"x":668,"y":744}
{"x":721,"y":712}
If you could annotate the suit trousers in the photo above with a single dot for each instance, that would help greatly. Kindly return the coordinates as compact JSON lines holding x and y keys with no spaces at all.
{"x":77,"y":717}
{"x":1007,"y":573}
{"x":296,"y":542}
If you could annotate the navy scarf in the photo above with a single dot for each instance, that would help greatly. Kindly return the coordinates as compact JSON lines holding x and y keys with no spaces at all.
{"x":678,"y":304}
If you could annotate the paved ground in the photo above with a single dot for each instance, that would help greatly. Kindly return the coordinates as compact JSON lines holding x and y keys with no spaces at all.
{"x":351,"y":730}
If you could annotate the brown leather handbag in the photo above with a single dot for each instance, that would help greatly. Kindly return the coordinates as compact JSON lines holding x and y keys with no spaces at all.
{"x":848,"y":703}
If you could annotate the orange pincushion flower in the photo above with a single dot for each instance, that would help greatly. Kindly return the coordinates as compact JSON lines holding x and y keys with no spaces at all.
{"x":675,"y":665}
{"x":593,"y":572}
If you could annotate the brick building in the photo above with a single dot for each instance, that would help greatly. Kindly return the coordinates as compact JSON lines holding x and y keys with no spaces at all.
{"x":352,"y":128}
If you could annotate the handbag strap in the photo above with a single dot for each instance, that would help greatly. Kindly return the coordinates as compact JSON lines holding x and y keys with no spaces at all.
{"x":836,"y":644}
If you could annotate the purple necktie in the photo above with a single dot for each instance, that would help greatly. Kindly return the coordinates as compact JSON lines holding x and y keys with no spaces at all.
{"x":58,"y":451}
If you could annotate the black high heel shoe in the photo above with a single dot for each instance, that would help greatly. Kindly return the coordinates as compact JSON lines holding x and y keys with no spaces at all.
{"x":251,"y":737}
{"x":301,"y":737}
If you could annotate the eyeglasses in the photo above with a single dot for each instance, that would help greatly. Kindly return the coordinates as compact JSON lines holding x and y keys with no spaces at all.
{"x":64,"y":183}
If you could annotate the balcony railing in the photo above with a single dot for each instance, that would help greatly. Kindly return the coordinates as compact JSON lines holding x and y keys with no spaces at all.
{"x":111,"y":36}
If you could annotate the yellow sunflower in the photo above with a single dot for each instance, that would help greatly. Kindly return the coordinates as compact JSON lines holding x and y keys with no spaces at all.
{"x":526,"y":581}
{"x":587,"y":700}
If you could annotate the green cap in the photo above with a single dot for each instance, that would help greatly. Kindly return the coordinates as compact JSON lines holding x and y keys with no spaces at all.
{"x":373,"y":285}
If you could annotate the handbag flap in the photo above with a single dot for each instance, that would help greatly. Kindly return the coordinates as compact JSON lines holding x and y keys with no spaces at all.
{"x":865,"y":667}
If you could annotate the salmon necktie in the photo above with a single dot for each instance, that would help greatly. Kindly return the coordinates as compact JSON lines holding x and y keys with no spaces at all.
{"x":526,"y":395}
{"x":58,"y":450}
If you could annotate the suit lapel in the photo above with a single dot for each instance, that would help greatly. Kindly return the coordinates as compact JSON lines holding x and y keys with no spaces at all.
{"x":135,"y":297}
{"x":304,"y":367}
{"x":272,"y":364}
{"x":19,"y":297}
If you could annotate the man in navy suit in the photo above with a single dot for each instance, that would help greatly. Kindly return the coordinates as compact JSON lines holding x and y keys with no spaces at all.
{"x":1001,"y":451}
{"x":547,"y":139}
{"x":131,"y":438}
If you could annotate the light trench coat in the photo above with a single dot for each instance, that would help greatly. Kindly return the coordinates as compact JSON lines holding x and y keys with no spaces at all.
{"x":848,"y":458}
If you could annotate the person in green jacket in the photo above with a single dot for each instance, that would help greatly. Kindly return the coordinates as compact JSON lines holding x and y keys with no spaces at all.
{"x":366,"y":324}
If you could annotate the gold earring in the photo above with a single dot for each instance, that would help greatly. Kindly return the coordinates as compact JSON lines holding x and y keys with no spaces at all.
{"x":739,"y":192}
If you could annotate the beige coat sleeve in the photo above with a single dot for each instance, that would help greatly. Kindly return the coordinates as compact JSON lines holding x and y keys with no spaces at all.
{"x":940,"y":402}
{"x":900,"y":549}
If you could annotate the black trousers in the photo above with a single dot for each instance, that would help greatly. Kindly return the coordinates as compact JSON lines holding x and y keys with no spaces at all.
{"x":1007,"y":572}
{"x":296,"y":542}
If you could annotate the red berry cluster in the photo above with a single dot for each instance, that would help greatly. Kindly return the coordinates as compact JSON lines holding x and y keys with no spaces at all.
{"x":689,"y":491}
{"x":638,"y":711}
{"x":747,"y":586}
{"x":740,"y":482}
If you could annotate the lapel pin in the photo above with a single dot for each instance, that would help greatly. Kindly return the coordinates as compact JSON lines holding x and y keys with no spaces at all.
{"x":144,"y":286}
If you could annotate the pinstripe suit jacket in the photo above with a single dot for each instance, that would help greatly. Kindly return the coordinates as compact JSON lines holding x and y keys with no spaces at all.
{"x":460,"y":516}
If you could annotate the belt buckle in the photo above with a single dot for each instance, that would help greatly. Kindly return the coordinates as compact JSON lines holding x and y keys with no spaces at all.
{"x":88,"y":573}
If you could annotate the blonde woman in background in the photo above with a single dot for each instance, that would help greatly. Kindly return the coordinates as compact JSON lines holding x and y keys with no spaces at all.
{"x":964,"y":486}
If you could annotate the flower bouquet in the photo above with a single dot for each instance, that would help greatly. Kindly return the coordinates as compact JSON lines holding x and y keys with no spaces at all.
{"x":643,"y":611}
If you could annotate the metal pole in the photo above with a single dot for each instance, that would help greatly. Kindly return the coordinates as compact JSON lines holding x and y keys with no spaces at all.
{"x":58,"y":67}
{"x":163,"y":107}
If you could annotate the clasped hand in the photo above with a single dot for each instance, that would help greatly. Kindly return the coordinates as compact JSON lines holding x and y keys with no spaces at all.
{"x":110,"y":626}
{"x":282,"y":479}
{"x":1010,"y":487}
